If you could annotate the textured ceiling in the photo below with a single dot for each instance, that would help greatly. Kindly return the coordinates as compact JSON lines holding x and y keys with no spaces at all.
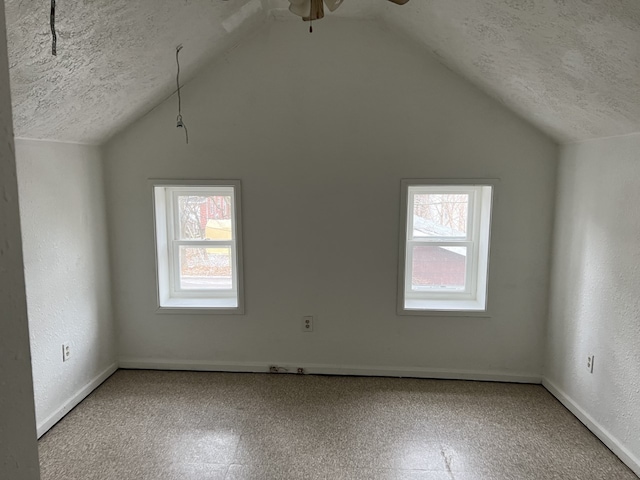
{"x":116,"y":59}
{"x":571,"y":67}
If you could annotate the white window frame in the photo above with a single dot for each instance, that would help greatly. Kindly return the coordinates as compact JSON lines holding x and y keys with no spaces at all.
{"x":472,"y":300}
{"x":171,"y":297}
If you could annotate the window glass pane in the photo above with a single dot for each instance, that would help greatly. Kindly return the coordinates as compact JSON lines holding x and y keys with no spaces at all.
{"x":205,"y":217}
{"x":441,"y":215}
{"x":203,"y":268}
{"x":438,"y":268}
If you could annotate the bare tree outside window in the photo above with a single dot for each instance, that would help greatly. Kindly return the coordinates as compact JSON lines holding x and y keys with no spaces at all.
{"x":446,"y":210}
{"x":190,"y":225}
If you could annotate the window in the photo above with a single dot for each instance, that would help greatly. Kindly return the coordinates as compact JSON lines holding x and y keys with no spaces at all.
{"x":444,"y":246}
{"x":198,"y":243}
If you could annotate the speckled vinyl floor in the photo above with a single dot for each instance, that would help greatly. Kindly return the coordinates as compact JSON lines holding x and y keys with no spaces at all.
{"x":143,"y":425}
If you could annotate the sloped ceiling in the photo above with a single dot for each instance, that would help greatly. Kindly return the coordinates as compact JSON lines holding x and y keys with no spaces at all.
{"x":571,"y":67}
{"x":116,"y":59}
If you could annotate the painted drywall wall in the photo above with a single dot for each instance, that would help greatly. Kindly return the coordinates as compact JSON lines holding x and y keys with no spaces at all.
{"x":595,"y":308}
{"x":18,"y":448}
{"x":320,"y":129}
{"x":67,"y":270}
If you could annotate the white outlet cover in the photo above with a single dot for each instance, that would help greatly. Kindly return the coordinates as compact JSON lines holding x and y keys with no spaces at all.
{"x":307,"y":323}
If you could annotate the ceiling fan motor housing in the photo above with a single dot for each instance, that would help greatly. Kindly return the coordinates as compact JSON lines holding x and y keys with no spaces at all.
{"x":313,"y":9}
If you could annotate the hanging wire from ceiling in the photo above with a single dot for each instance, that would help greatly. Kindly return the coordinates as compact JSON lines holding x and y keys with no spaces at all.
{"x":52,"y":18}
{"x":179,"y":121}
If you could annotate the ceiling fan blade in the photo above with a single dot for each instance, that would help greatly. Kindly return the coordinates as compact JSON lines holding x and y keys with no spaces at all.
{"x":332,"y":5}
{"x":399,"y":2}
{"x":317,"y":11}
{"x":300,"y":7}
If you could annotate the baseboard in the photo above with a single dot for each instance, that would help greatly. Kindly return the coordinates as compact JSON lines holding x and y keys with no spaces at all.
{"x":598,"y":430}
{"x":326,"y":369}
{"x":75,"y":399}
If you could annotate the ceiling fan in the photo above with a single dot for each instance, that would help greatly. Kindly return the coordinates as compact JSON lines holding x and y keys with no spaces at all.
{"x":311,"y":10}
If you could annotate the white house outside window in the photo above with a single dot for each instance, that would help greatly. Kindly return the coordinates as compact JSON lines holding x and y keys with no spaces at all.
{"x":198,"y":243}
{"x":444,"y":246}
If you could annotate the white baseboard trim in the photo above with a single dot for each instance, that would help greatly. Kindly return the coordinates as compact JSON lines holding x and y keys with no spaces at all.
{"x":75,"y":399}
{"x":598,"y":430}
{"x":326,"y":369}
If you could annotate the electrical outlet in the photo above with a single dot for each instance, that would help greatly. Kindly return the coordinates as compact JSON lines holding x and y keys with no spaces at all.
{"x":66,"y":352}
{"x":590,"y":361}
{"x":307,"y":323}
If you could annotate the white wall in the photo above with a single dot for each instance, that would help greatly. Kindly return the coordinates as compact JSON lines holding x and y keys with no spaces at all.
{"x":18,"y":449}
{"x":67,"y":272}
{"x":320,"y":129}
{"x":595,"y":302}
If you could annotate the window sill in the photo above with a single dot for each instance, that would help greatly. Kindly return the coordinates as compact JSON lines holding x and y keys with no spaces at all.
{"x":443,"y":308}
{"x":208,"y":306}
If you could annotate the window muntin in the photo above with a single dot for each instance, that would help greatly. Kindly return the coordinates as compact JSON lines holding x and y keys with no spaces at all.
{"x":198,"y":243}
{"x":445,"y":246}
